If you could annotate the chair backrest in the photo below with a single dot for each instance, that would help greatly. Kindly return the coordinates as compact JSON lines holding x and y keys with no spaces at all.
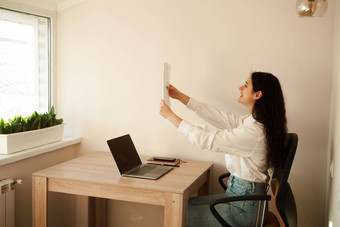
{"x":284,"y":198}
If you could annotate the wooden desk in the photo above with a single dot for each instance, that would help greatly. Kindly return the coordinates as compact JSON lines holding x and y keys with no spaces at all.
{"x":96,"y":175}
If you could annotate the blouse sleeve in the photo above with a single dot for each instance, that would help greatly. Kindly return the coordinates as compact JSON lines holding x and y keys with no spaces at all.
{"x":241,"y":141}
{"x":213,"y":116}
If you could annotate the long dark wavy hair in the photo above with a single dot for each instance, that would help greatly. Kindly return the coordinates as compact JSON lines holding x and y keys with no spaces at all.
{"x":271,"y":112}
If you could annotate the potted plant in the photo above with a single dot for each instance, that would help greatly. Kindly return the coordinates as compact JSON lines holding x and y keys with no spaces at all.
{"x":22,"y":133}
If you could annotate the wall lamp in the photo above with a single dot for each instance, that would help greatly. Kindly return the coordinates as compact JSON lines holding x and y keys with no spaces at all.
{"x":311,"y":8}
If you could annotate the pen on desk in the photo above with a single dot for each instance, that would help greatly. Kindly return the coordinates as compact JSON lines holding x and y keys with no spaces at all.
{"x":170,"y":165}
{"x":163,"y":164}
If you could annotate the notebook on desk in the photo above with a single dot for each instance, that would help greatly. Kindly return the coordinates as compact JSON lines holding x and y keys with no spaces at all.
{"x":129,"y":163}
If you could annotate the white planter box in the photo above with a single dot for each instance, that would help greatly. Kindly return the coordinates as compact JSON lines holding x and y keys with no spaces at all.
{"x":10,"y":143}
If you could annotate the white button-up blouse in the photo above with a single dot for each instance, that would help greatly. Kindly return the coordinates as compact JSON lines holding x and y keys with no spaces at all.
{"x":240,"y":137}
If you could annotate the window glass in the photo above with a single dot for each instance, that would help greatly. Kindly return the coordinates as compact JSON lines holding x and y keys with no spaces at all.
{"x":24,"y":64}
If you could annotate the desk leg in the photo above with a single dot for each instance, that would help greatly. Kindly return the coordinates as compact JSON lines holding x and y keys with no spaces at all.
{"x":205,"y":188}
{"x":39,"y":201}
{"x":97,"y":212}
{"x":175,"y":210}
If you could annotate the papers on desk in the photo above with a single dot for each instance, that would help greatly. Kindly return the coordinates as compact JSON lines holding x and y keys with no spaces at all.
{"x":166,"y":82}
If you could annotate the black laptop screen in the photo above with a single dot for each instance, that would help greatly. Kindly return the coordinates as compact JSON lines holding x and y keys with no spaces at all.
{"x":124,"y":153}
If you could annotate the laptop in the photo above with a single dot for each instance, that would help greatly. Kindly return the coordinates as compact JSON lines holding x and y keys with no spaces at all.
{"x":129,"y":163}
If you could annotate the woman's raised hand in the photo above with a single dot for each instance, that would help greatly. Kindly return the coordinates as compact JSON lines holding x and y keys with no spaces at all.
{"x":173,"y":92}
{"x":176,"y":94}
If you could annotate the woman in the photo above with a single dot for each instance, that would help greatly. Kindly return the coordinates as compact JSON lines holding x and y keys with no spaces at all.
{"x":252,"y":143}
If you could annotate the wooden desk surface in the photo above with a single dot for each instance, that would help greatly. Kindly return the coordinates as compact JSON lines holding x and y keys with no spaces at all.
{"x":96,"y":175}
{"x":100,"y":167}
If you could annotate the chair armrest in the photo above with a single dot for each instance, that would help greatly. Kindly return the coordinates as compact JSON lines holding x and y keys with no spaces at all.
{"x":233,"y":199}
{"x":220,"y":180}
{"x":241,"y":198}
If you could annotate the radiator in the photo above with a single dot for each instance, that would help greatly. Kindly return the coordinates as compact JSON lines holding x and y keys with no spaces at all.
{"x":7,"y":202}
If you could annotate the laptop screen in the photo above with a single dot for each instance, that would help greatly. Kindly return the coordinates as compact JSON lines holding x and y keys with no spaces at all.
{"x":124,"y":153}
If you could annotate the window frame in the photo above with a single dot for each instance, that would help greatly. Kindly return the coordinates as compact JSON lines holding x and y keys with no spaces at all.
{"x":51,"y":20}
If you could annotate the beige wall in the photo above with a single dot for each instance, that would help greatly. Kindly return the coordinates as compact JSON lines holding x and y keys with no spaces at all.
{"x":334,"y":156}
{"x":110,"y":56}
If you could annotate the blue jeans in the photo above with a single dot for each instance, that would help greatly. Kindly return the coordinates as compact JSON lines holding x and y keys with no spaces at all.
{"x":242,"y":213}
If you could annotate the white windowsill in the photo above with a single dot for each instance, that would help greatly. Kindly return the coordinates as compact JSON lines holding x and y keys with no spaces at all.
{"x":66,"y":141}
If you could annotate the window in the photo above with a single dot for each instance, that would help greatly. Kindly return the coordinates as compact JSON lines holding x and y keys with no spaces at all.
{"x":25,"y":72}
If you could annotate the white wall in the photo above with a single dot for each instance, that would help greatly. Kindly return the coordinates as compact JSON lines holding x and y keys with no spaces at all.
{"x":334,"y":157}
{"x":110,"y":55}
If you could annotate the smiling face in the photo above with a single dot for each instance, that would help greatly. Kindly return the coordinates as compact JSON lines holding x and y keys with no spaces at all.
{"x":248,"y":96}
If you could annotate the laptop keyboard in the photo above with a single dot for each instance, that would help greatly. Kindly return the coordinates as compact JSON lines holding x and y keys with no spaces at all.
{"x":142,"y":170}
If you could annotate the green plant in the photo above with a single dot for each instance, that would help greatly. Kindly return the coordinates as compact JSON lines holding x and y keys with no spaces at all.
{"x":33,"y":122}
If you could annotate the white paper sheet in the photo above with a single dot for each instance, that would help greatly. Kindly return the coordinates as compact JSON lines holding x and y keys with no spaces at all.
{"x":166,"y":82}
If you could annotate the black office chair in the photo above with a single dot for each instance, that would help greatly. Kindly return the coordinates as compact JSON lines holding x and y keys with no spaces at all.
{"x":284,"y":201}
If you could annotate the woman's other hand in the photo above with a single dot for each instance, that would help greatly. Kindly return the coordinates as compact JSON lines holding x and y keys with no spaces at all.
{"x":166,"y":112}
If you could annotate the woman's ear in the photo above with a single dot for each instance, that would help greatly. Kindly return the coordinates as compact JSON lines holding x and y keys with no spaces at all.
{"x":258,"y":95}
